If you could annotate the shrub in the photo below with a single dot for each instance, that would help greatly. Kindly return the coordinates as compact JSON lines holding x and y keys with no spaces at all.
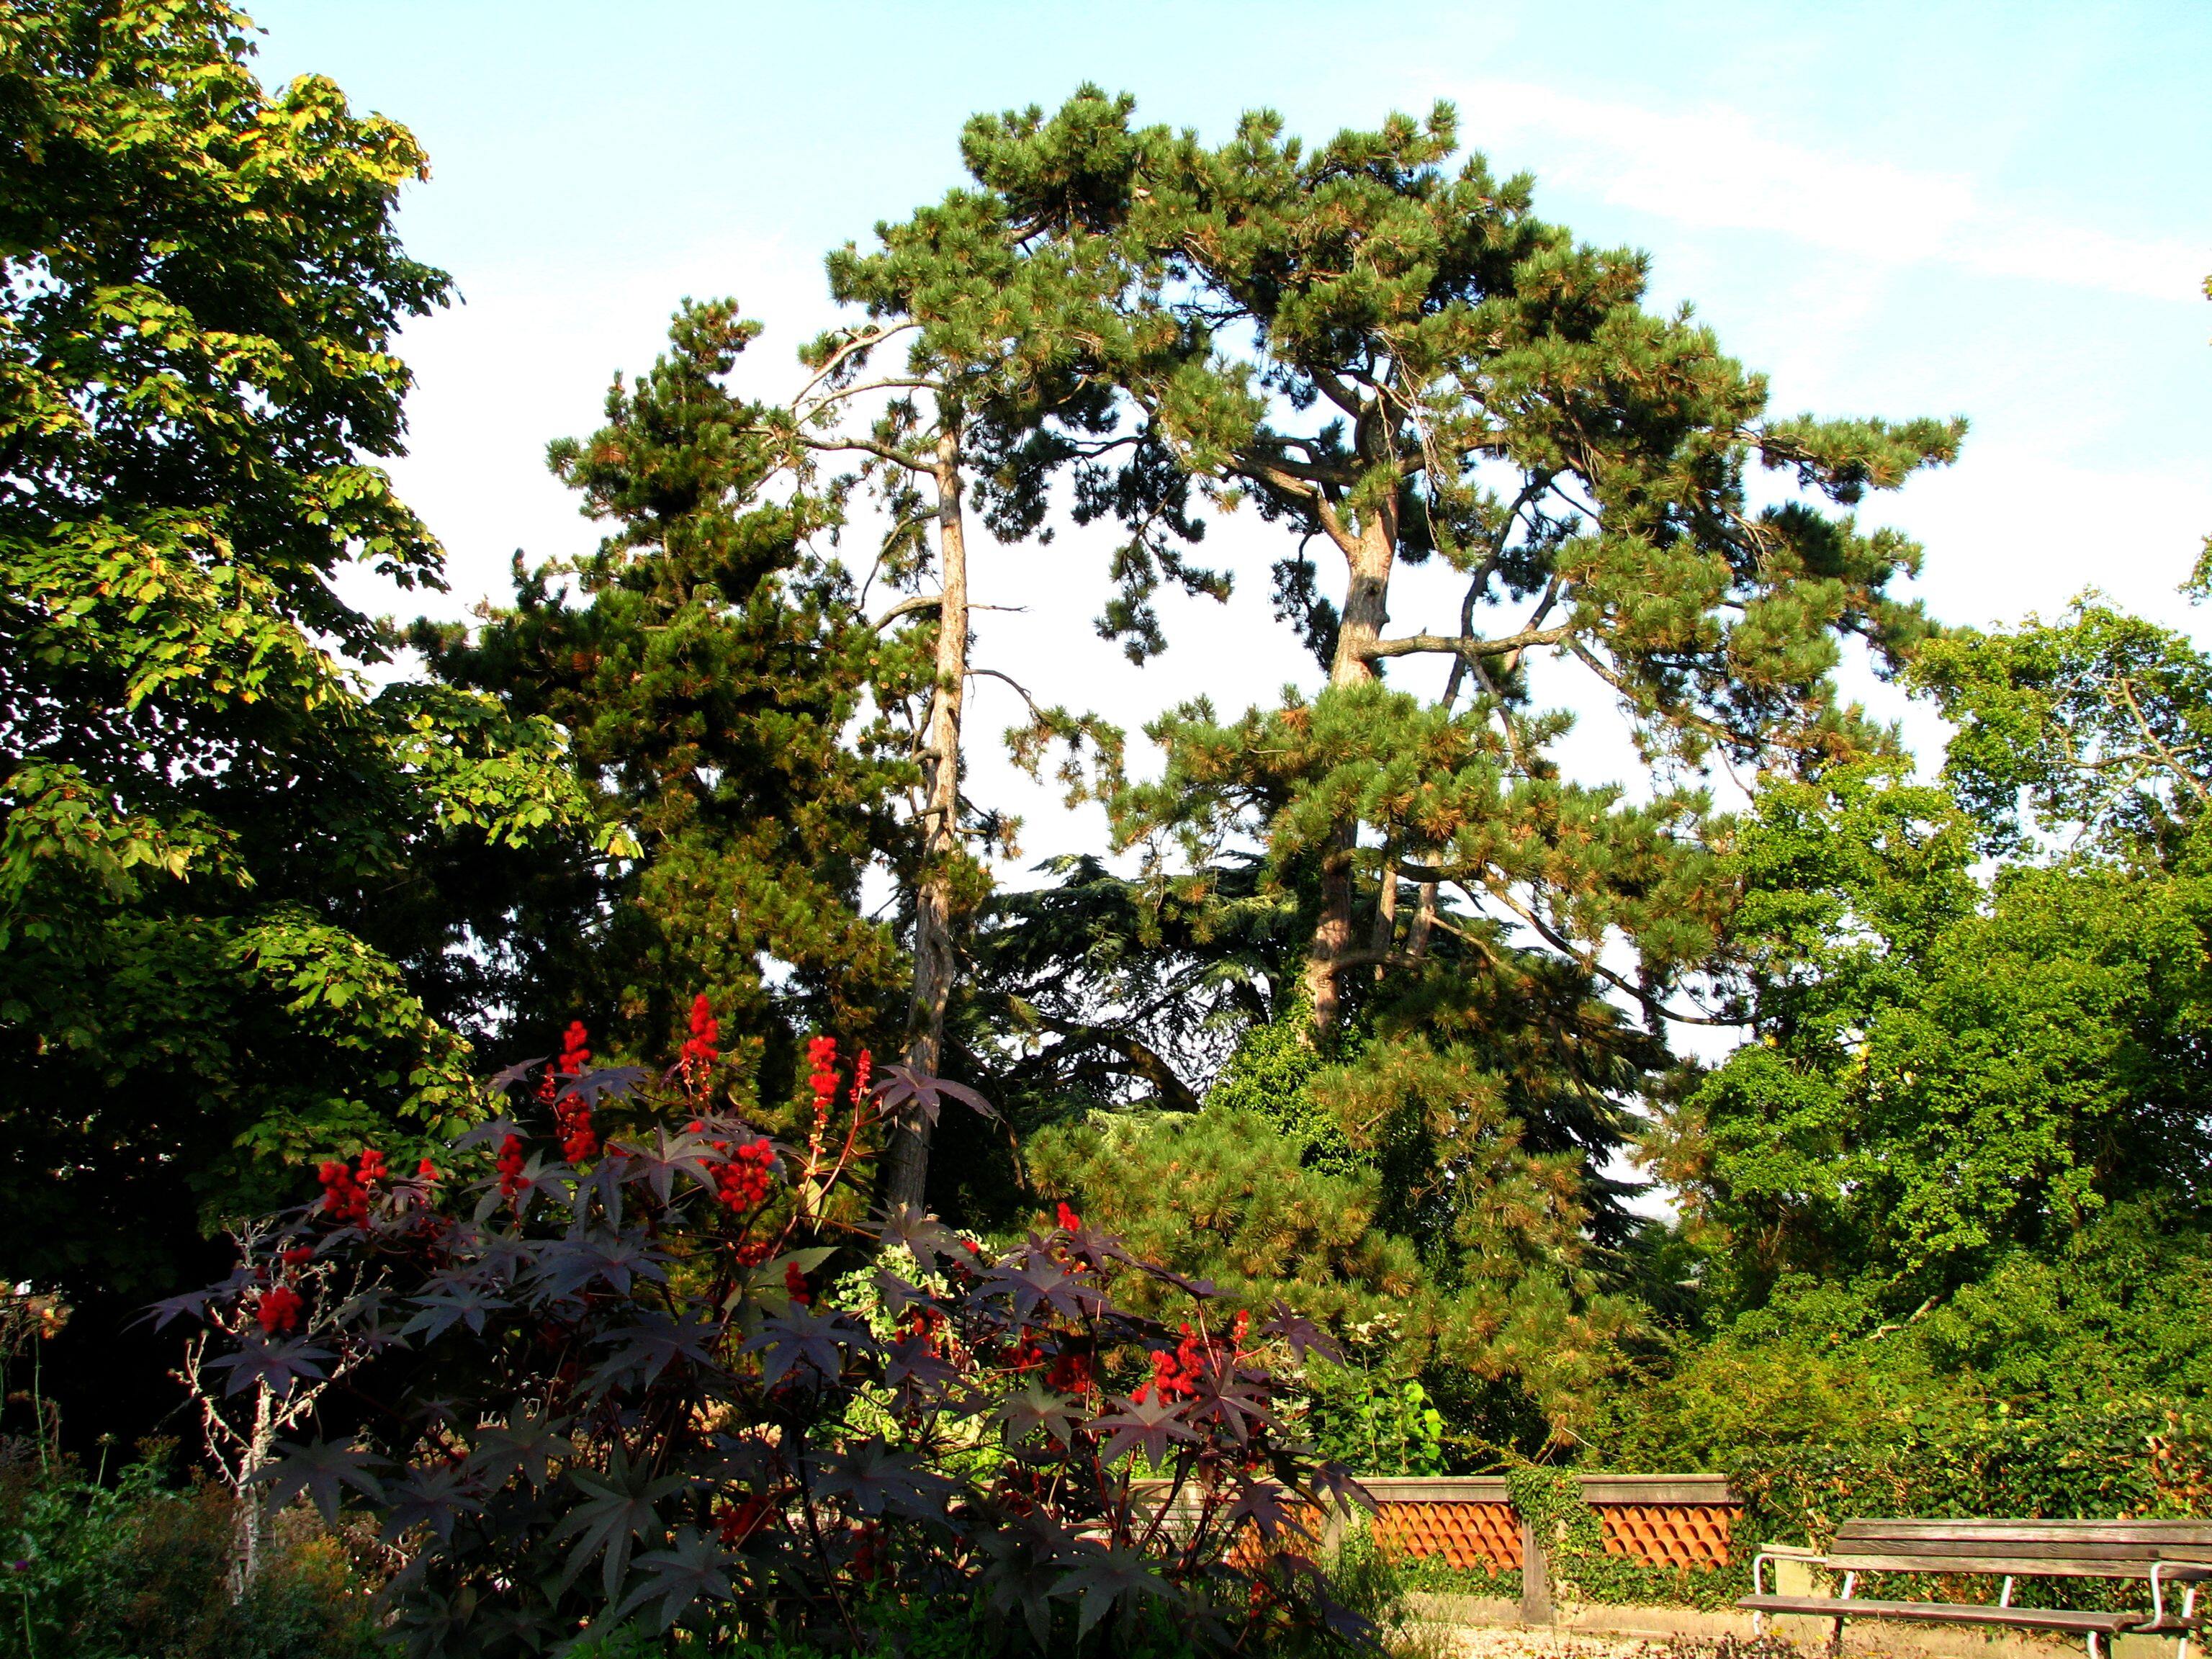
{"x":601,"y":1390}
{"x":136,"y":1568}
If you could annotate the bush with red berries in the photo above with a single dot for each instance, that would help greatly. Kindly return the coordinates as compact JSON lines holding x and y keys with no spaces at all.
{"x":594,"y":1381}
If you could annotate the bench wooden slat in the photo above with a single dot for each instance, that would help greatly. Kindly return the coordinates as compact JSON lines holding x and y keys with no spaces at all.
{"x":2000,"y":1565}
{"x":2014,"y":1532}
{"x":1945,"y":1613}
{"x":1987,"y":1542}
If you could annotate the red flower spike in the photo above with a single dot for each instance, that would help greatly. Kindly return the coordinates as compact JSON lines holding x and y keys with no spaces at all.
{"x":426,"y":1170}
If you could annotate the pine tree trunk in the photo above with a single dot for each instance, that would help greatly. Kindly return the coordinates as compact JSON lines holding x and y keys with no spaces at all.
{"x":906,"y":1164}
{"x":1366,"y":608}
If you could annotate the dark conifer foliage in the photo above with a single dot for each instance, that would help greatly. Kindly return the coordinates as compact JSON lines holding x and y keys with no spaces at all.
{"x":708,"y":671}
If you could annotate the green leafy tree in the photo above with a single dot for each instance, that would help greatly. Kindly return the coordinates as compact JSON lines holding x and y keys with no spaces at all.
{"x":221,"y":853}
{"x":1946,"y":1074}
{"x":2099,"y":724}
{"x":711,"y":674}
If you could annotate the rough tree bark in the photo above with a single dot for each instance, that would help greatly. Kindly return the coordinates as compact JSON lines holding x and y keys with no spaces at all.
{"x":907,"y":1163}
{"x":1366,"y":609}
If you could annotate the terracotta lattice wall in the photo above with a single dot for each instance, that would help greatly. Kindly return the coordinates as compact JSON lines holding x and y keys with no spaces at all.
{"x":1465,"y":1534}
{"x":1668,"y":1535}
{"x":1660,"y":1521}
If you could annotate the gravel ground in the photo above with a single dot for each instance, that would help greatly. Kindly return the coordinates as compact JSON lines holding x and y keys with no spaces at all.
{"x":1476,"y":1642}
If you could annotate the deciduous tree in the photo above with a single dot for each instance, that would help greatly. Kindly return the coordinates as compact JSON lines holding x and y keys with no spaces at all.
{"x":220,"y":853}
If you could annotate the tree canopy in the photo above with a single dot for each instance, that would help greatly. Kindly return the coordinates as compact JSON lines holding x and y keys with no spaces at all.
{"x":1365,"y":1012}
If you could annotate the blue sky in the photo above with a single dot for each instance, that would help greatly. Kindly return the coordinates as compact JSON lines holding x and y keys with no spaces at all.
{"x":1997,"y":211}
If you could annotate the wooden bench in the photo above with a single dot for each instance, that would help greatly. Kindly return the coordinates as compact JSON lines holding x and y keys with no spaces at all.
{"x":2160,"y":1552}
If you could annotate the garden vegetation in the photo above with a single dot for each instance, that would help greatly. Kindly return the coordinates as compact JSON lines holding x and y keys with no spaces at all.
{"x":574,"y":1219}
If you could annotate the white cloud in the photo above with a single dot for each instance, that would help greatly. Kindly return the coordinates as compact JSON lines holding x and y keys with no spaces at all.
{"x":1715,"y":168}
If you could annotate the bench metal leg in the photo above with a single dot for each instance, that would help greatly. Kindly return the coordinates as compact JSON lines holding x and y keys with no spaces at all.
{"x":2093,"y":1644}
{"x":1836,"y":1639}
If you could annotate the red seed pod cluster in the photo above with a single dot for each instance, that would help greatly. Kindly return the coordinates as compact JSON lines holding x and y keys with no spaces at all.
{"x":795,"y":1281}
{"x":735,"y":1522}
{"x":1068,"y":1220}
{"x":510,"y":1166}
{"x":755,"y":1251}
{"x":345,"y":1191}
{"x":863,"y":1070}
{"x":822,"y":1077}
{"x":278,"y":1308}
{"x":1176,"y":1372}
{"x":573,"y":1121}
{"x":742,"y":1183}
{"x":700,"y":1047}
{"x":822,"y":1073}
{"x":1070,"y":1373}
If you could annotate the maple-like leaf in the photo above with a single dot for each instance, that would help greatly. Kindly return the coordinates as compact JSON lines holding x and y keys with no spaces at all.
{"x":1145,"y":1425}
{"x":279,"y":1364}
{"x":1286,"y":1324}
{"x":321,"y":1469}
{"x":874,"y":1480}
{"x":433,"y":1496}
{"x":1036,"y":1407}
{"x":525,"y":1444}
{"x":692,"y":1567}
{"x":621,"y":1507}
{"x":1022,"y":1572}
{"x":901,"y":1086}
{"x":798,"y":1336}
{"x":650,"y":1345}
{"x":191,"y":1304}
{"x":1106,"y":1578}
{"x":508,"y":1077}
{"x":592,"y":1087}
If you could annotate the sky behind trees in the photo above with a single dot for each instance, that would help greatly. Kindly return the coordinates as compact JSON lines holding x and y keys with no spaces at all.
{"x":1892,"y":209}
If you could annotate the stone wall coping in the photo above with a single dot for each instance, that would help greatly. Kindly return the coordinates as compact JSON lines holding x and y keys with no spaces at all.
{"x":1698,"y":1489}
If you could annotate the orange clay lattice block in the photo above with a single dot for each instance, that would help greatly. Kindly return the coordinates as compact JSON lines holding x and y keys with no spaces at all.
{"x":1465,"y":1534}
{"x":1667,"y":1535}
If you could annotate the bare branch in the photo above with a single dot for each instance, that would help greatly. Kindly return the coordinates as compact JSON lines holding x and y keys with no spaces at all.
{"x":858,"y":343}
{"x":1460,"y":645}
{"x":906,"y":607}
{"x":869,"y":445}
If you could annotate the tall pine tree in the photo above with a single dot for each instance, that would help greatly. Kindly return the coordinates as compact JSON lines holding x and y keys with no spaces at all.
{"x":1001,"y":381}
{"x":1392,"y":358}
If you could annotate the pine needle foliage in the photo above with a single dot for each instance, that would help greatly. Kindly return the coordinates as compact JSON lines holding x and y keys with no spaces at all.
{"x":713,"y":673}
